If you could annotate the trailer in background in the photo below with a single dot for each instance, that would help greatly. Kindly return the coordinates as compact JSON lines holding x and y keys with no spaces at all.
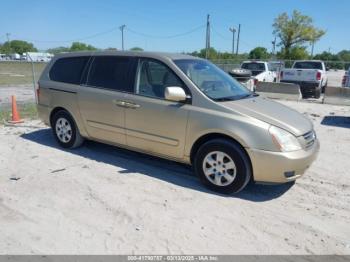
{"x":37,"y":57}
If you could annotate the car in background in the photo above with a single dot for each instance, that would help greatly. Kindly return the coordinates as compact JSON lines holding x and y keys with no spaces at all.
{"x":276,"y":67}
{"x":310,"y":75}
{"x":346,"y":79}
{"x":261,"y":71}
{"x":244,"y":77}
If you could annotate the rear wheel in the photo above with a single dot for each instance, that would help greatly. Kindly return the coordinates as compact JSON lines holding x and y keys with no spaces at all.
{"x":318,"y":93}
{"x":222,"y":166}
{"x":65,"y":130}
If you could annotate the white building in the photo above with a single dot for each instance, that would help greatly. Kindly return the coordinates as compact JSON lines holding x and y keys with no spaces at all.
{"x":37,"y":57}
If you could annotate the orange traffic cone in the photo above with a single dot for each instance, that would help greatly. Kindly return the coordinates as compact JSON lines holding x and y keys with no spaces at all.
{"x":15,"y":114}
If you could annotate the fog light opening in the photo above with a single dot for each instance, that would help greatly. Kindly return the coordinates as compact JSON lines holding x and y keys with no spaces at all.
{"x":289,"y":174}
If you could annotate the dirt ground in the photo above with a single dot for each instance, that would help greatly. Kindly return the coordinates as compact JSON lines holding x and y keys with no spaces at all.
{"x":99,"y":199}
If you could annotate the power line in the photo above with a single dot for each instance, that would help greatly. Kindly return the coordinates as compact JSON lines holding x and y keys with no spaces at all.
{"x":165,"y":37}
{"x":219,"y":34}
{"x":75,"y":40}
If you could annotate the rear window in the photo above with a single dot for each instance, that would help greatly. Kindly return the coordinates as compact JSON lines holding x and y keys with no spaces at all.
{"x":68,"y":70}
{"x":110,"y":72}
{"x":254,"y":66}
{"x":308,"y":65}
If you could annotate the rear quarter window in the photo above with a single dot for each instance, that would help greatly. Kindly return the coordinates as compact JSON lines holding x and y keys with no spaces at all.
{"x":68,"y":70}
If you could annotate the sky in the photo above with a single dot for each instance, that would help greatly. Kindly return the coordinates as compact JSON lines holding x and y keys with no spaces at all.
{"x":161,"y":25}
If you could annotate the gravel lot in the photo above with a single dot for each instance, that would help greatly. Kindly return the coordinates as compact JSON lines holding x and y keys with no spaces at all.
{"x":99,"y":199}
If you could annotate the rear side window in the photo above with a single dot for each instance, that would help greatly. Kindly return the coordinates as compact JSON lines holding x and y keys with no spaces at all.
{"x":68,"y":70}
{"x":110,"y":72}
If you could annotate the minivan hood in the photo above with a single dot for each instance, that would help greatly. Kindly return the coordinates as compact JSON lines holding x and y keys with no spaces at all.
{"x":272,"y":113}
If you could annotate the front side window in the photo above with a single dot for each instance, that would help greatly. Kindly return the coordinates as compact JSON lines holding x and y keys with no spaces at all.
{"x":68,"y":70}
{"x":153,"y":77}
{"x":110,"y":72}
{"x":212,"y":81}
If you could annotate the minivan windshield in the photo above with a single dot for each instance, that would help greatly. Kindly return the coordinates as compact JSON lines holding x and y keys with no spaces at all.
{"x":212,"y":81}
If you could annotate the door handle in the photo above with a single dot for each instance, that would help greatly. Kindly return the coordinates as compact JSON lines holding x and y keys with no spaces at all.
{"x":126,"y":104}
{"x":131,"y":105}
{"x":119,"y":103}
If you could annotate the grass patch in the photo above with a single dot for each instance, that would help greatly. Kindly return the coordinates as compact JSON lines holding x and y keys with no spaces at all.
{"x":26,"y":111}
{"x":19,"y":72}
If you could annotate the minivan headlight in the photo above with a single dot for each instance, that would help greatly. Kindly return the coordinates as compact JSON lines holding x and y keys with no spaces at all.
{"x":284,"y":140}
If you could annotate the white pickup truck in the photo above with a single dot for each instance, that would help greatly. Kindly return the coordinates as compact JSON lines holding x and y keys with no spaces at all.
{"x":310,"y":75}
{"x":260,"y":71}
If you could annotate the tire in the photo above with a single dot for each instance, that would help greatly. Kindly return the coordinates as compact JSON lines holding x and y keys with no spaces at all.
{"x":318,"y":93}
{"x":240,"y":172}
{"x":65,"y":130}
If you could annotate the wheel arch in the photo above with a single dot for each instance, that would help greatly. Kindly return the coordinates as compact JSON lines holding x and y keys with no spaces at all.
{"x":210,"y":136}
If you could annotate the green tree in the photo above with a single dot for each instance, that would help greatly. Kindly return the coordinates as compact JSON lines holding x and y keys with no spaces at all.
{"x":56,"y":50}
{"x":111,"y":49}
{"x":136,"y":48}
{"x":344,"y":55}
{"x":18,"y":46}
{"x":294,"y":53}
{"x":295,"y":31}
{"x":77,"y":46}
{"x":259,"y":53}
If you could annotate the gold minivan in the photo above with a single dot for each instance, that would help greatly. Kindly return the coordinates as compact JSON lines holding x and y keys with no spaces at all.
{"x":177,"y":107}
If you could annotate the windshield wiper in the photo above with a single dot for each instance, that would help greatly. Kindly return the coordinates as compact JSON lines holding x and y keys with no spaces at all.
{"x":232,"y":98}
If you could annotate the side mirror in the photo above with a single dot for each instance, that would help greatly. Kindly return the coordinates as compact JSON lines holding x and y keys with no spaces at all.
{"x":327,"y":68}
{"x":175,"y":93}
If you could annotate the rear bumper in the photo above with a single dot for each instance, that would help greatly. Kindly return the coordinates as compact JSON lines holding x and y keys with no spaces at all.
{"x":44,"y":113}
{"x":306,"y":88}
{"x":278,"y":167}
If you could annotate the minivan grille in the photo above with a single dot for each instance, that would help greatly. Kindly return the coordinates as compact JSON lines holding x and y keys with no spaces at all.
{"x":309,"y":138}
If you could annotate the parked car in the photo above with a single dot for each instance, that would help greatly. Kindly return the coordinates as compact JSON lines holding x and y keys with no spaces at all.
{"x":310,"y":75}
{"x":276,"y":67}
{"x":346,"y":79}
{"x":244,"y":77}
{"x":260,"y":71}
{"x":177,"y":107}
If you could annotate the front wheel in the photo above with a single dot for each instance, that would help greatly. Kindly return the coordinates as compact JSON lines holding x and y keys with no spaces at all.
{"x":222,"y":166}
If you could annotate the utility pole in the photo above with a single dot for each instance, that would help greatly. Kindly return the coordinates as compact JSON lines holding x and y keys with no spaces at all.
{"x":8,"y":41}
{"x":233,"y":30}
{"x":239,"y":32}
{"x":207,"y":38}
{"x":312,"y":48}
{"x":273,"y":46}
{"x":122,"y":27}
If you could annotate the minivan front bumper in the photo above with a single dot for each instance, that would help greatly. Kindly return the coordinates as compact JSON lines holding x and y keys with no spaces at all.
{"x":281,"y":167}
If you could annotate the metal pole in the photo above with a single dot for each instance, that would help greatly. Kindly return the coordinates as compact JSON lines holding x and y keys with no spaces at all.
{"x":122,"y":29}
{"x":233,"y":30}
{"x":8,"y":41}
{"x":33,"y":75}
{"x":239,"y":32}
{"x":207,"y":38}
{"x":312,"y":48}
{"x":273,"y":46}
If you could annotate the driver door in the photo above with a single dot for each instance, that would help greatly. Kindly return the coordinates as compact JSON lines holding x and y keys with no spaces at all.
{"x":154,"y":124}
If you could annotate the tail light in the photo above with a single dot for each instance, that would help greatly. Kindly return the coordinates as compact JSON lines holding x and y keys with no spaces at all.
{"x":255,"y":82}
{"x":37,"y":93}
{"x":318,"y":76}
{"x":281,"y":75}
